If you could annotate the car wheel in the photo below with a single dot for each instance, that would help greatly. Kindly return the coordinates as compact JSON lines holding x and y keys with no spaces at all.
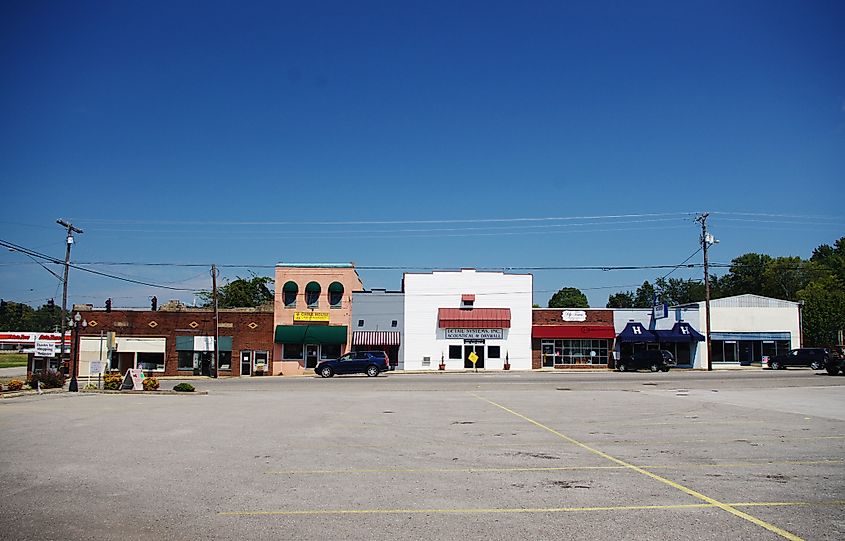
{"x":372,"y":370}
{"x":654,"y":368}
{"x":816,"y":365}
{"x":622,"y":367}
{"x":665,"y":368}
{"x":776,"y":365}
{"x":327,"y":372}
{"x":832,"y":370}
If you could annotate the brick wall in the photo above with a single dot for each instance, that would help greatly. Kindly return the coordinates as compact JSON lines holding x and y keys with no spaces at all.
{"x":250,"y":330}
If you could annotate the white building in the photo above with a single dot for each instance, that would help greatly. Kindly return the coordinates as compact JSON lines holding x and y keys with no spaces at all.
{"x":746,"y":328}
{"x":458,"y":316}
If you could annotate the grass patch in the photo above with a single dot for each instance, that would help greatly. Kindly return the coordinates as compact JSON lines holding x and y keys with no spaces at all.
{"x":11,"y":360}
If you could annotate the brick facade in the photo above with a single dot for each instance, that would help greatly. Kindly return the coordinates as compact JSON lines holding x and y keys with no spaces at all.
{"x":250,"y":329}
{"x":553,"y":317}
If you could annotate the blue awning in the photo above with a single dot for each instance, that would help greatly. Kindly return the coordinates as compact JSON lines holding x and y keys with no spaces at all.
{"x":681,"y":332}
{"x":765,"y":336}
{"x":635,"y":332}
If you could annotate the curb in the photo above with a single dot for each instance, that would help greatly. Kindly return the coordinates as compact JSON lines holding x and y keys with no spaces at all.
{"x":15,"y":394}
{"x":165,"y":392}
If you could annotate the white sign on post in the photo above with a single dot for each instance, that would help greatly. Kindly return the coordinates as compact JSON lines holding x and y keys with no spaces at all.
{"x":45,"y":349}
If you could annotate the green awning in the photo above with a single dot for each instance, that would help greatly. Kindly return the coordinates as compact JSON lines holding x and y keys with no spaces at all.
{"x":310,"y":334}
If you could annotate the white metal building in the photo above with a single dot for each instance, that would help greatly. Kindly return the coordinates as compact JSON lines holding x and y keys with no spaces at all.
{"x":746,"y":328}
{"x":466,"y":315}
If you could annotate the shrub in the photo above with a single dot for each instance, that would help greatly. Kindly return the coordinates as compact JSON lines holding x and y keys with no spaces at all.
{"x":1,"y":387}
{"x":151,"y":384}
{"x":15,"y":385}
{"x":90,"y":387}
{"x":112,"y":381}
{"x":50,"y":379}
{"x":184,"y":388}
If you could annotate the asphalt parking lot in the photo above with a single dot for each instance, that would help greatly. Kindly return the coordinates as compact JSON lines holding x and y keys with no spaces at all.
{"x":683,"y":455}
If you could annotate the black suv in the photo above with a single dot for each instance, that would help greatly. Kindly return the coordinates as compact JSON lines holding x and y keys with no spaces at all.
{"x":653,"y":359}
{"x":815,"y":358}
{"x":835,"y":364}
{"x":355,"y":362}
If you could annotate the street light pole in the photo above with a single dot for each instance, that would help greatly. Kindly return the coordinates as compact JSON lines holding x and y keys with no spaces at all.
{"x":70,"y":231}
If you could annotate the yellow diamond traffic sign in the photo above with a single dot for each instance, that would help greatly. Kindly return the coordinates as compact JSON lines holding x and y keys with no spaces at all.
{"x":473,"y":357}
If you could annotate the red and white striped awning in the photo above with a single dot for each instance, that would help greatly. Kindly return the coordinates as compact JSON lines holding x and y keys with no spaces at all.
{"x":375,"y":338}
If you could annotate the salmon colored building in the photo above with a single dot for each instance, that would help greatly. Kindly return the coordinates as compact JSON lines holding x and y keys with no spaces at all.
{"x":312,"y":314}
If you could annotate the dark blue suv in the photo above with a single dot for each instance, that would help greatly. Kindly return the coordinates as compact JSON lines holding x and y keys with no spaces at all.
{"x":354,"y":362}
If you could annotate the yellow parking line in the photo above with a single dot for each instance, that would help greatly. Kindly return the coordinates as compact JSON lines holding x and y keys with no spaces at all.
{"x":314,"y":512}
{"x":550,"y":468}
{"x":695,"y":494}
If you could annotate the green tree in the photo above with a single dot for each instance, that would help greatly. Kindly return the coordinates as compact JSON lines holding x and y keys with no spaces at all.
{"x":824,"y":311}
{"x":675,"y":291}
{"x":644,"y":297}
{"x":746,"y":275}
{"x":241,"y":293}
{"x":623,"y":299}
{"x":569,"y":297}
{"x":784,"y":277}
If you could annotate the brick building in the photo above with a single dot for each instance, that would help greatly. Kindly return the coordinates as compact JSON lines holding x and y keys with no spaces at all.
{"x":176,"y":340}
{"x":572,"y":338}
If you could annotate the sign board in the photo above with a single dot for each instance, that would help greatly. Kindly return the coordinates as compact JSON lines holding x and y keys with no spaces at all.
{"x":473,"y":358}
{"x":475,"y":334}
{"x":96,"y":367}
{"x":574,"y":315}
{"x":45,"y":349}
{"x":133,"y":380}
{"x":310,"y":316}
{"x":660,"y":311}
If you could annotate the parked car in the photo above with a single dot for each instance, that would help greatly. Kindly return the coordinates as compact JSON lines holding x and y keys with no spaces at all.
{"x":653,"y":359}
{"x":836,"y":362}
{"x":355,"y":362}
{"x":815,"y":358}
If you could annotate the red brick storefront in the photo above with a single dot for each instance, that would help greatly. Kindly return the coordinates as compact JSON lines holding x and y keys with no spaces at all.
{"x":241,"y":330}
{"x":572,"y":338}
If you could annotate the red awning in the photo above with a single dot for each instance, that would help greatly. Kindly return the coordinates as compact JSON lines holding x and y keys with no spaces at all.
{"x":476,"y":318}
{"x":467,"y":298}
{"x":375,"y":338}
{"x":573,"y":331}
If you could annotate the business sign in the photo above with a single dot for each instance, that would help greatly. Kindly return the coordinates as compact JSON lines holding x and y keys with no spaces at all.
{"x":475,"y":334}
{"x":133,"y":380}
{"x":310,"y":316}
{"x":96,"y":367}
{"x":573,"y":315}
{"x":45,"y":349}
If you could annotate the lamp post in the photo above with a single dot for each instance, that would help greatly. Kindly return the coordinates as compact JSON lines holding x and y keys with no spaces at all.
{"x":75,"y":324}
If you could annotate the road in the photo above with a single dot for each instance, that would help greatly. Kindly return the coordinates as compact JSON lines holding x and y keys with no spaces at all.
{"x":684,"y":455}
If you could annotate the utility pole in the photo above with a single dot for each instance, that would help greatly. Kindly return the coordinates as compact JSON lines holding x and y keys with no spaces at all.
{"x":216,"y":322}
{"x":70,"y":231}
{"x":705,"y":243}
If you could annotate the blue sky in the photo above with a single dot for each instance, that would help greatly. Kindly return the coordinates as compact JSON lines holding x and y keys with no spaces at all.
{"x":221,"y":132}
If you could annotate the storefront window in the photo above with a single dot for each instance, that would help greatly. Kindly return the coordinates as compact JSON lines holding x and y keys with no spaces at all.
{"x":494,"y":352}
{"x":455,"y":352}
{"x":292,"y":351}
{"x":151,"y":362}
{"x":224,"y":360}
{"x":186,"y":360}
{"x":563,"y":352}
{"x":330,"y":351}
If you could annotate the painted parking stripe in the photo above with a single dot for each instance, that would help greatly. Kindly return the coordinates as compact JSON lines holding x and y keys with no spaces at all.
{"x":515,"y":510}
{"x":695,"y":494}
{"x":558,"y":468}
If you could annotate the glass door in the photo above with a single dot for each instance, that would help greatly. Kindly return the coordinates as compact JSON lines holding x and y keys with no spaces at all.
{"x":479,"y":353}
{"x":312,"y":355}
{"x":246,"y":363}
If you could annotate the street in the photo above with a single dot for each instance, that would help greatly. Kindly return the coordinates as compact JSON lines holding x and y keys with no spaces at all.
{"x":746,"y":454}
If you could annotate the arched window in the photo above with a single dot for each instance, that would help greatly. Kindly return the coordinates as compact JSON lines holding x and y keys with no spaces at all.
{"x":335,"y":294}
{"x":289,"y":293}
{"x":312,"y":294}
